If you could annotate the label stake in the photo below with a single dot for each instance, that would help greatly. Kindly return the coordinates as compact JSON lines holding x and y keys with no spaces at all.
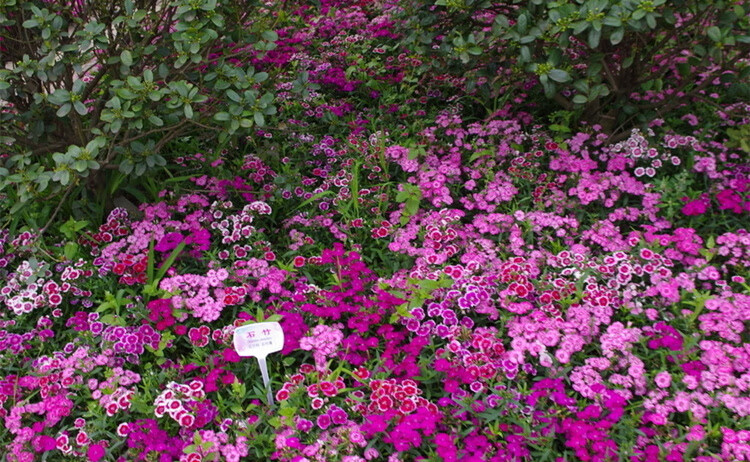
{"x":259,"y":340}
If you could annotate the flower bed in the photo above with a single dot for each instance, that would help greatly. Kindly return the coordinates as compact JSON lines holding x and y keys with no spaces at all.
{"x":450,"y":288}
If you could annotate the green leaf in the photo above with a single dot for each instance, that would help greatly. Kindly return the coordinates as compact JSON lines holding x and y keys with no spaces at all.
{"x":80,"y":165}
{"x":638,"y":15}
{"x":580,"y":27}
{"x":525,"y":54}
{"x":125,"y":93}
{"x":714,"y":33}
{"x":549,"y":87}
{"x":260,"y":120}
{"x":78,"y":86}
{"x":60,"y":96}
{"x":411,"y":206}
{"x":112,"y":320}
{"x":126,"y":58}
{"x":559,"y":75}
{"x":64,"y":110}
{"x":150,"y":262}
{"x":612,"y":21}
{"x":70,"y":250}
{"x":476,"y":155}
{"x":168,"y":263}
{"x":72,"y":226}
{"x":559,"y":128}
{"x":594,"y":37}
{"x":617,"y":35}
{"x":115,"y":126}
{"x":266,"y":99}
{"x":80,"y":108}
{"x":270,"y":35}
{"x":188,"y":109}
{"x":64,"y":177}
{"x":580,"y":99}
{"x":231,"y":94}
{"x":522,"y":23}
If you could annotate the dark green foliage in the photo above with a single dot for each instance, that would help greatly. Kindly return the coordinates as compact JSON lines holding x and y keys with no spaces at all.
{"x":590,"y":56}
{"x":107,"y":85}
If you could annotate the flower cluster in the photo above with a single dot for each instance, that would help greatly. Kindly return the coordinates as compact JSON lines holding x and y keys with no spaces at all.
{"x":113,"y":394}
{"x":179,"y":402}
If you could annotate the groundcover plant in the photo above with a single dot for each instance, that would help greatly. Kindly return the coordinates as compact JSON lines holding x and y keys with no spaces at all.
{"x":464,"y":268}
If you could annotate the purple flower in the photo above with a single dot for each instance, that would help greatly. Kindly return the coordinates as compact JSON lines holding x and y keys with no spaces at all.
{"x":695,"y":207}
{"x":169,"y":242}
{"x":44,"y":443}
{"x":730,"y":200}
{"x":323,"y":421}
{"x":200,"y":239}
{"x":95,"y":452}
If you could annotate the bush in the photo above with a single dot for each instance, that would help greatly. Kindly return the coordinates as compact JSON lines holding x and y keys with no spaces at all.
{"x":91,"y":86}
{"x":616,"y":63}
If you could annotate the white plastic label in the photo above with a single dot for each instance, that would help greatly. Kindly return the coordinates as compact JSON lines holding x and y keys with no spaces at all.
{"x":259,"y":340}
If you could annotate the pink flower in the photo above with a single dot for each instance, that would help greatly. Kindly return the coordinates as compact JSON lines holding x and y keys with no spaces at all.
{"x":730,"y":200}
{"x":663,"y":379}
{"x":695,"y":207}
{"x":324,"y":421}
{"x":200,"y":239}
{"x":231,"y":356}
{"x":44,"y":443}
{"x":95,"y":452}
{"x":169,"y":242}
{"x":697,"y":433}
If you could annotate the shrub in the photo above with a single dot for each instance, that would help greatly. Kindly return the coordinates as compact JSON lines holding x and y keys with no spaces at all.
{"x":90,"y":86}
{"x":615,"y":62}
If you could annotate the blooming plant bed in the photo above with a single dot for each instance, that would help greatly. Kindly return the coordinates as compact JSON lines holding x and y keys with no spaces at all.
{"x":455,"y":282}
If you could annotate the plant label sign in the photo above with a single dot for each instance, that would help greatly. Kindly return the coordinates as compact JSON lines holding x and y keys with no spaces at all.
{"x":259,"y":340}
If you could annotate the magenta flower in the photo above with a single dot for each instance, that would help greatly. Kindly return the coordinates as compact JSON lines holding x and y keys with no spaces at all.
{"x":95,"y":452}
{"x":200,"y":239}
{"x":169,"y":242}
{"x":44,"y":443}
{"x":230,"y":355}
{"x":695,"y":207}
{"x":730,"y":200}
{"x":323,"y":421}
